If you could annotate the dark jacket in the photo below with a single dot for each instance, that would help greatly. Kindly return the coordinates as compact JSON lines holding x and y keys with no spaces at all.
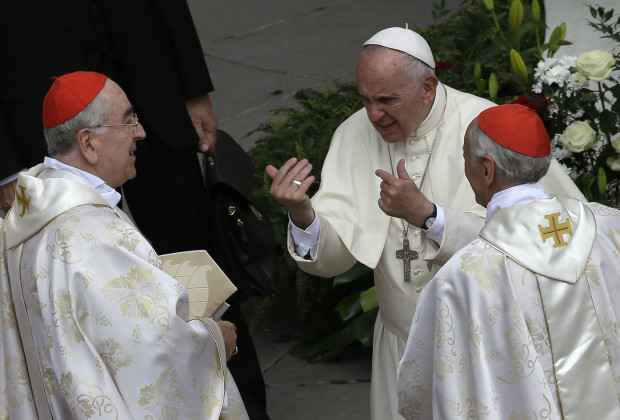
{"x":154,"y":43}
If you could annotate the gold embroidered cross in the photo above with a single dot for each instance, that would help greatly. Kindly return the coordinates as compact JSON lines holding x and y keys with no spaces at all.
{"x":555,"y":230}
{"x":22,"y":200}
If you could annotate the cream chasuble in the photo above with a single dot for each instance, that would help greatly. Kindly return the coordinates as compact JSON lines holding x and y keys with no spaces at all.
{"x":353,"y":227}
{"x":112,"y":331}
{"x":522,"y":323}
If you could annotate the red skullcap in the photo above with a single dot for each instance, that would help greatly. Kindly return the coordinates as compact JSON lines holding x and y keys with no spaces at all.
{"x":516,"y":127}
{"x":69,"y":95}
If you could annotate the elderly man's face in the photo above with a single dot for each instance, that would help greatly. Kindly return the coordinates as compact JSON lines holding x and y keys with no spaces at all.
{"x":117,"y":160}
{"x":394,"y":103}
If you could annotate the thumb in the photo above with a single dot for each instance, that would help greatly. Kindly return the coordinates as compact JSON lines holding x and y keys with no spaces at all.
{"x":401,"y":171}
{"x":271,"y":170}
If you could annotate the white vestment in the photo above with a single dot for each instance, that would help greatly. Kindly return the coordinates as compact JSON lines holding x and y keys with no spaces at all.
{"x":113,"y":333}
{"x":523,"y":323}
{"x":353,"y":227}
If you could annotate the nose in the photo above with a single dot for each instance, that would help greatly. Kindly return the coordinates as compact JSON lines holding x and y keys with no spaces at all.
{"x":139,"y":134}
{"x":374,"y":111}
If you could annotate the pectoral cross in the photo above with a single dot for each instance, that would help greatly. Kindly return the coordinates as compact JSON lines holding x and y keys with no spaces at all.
{"x":406,"y":255}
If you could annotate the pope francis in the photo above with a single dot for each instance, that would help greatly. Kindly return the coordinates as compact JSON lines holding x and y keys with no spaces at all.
{"x":393,"y":195}
{"x":92,"y":327}
{"x":522,"y":323}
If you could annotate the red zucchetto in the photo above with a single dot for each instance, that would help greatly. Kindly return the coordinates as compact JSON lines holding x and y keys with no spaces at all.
{"x":69,"y":95}
{"x":517,"y":128}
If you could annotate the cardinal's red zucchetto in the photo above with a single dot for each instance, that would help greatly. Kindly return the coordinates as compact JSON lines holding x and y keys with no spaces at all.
{"x":69,"y":95}
{"x":517,"y":128}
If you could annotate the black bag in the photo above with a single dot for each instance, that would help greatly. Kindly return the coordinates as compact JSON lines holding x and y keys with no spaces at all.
{"x":241,"y":236}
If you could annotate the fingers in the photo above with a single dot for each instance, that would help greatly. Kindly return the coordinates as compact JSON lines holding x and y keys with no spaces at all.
{"x":292,"y":170}
{"x":204,"y":120}
{"x":384,"y":175}
{"x":402,"y":171}
{"x":7,"y":195}
{"x":290,"y":187}
{"x":207,"y":140}
{"x":229,"y":332}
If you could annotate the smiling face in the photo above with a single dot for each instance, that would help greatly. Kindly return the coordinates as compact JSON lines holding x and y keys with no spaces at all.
{"x":396,"y":105}
{"x":116,"y":145}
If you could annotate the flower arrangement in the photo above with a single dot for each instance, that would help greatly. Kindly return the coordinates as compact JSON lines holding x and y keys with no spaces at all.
{"x":579,"y":100}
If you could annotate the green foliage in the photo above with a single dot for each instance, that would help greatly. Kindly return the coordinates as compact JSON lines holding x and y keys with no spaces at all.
{"x":357,"y":310}
{"x":483,"y":38}
{"x":605,"y":24}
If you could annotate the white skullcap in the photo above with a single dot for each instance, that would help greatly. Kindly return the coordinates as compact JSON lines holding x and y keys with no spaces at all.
{"x":404,"y":40}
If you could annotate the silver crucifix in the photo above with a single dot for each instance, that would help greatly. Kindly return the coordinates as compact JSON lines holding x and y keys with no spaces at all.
{"x":406,"y":255}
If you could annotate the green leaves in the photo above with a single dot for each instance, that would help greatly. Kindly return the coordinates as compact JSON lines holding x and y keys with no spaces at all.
{"x":357,"y":312}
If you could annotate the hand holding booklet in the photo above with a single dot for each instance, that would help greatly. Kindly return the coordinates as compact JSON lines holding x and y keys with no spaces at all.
{"x":207,"y":285}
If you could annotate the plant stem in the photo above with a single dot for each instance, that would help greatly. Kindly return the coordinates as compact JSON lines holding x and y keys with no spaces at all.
{"x":601,"y":94}
{"x":501,"y":32}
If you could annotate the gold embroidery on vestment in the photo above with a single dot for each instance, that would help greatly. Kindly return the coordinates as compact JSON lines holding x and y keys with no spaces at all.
{"x":23,"y":200}
{"x":555,"y":230}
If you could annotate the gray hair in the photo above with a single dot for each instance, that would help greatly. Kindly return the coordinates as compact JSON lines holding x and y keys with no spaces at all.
{"x":415,"y":68}
{"x":61,"y":139}
{"x":512,"y":167}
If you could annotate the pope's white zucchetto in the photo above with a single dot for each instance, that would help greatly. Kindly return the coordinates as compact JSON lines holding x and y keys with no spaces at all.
{"x":404,"y":40}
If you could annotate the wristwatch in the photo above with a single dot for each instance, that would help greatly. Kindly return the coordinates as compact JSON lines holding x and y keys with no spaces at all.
{"x":428,"y":222}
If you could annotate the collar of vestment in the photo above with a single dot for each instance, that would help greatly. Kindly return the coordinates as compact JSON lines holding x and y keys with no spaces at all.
{"x":109,"y":194}
{"x":434,"y":115}
{"x":40,"y":198}
{"x":552,"y":237}
{"x":519,"y":194}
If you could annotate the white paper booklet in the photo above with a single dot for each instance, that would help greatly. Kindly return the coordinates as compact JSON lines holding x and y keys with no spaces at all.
{"x":207,"y":285}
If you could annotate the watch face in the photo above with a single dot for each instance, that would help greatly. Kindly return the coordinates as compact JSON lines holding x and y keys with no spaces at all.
{"x":429,"y":222}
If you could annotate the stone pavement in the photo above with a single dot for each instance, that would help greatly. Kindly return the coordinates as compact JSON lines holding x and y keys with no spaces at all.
{"x":259,"y":54}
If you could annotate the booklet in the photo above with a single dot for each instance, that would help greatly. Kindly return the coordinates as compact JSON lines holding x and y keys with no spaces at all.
{"x":207,"y":285}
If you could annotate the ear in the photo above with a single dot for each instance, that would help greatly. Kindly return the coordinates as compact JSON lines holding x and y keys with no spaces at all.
{"x":488,"y":166}
{"x":88,"y":145}
{"x":429,"y":86}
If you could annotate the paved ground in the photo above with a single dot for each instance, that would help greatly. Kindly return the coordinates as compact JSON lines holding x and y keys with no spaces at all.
{"x":259,"y":55}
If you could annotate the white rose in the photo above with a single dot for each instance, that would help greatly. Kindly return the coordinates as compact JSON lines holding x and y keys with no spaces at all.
{"x":616,"y":144}
{"x":614,"y":163}
{"x":578,"y":137}
{"x":596,"y":65}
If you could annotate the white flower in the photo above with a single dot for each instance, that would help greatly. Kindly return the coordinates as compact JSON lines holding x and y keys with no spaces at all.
{"x":569,"y":171}
{"x":559,"y":152}
{"x":558,"y":74}
{"x":576,"y":81}
{"x":552,"y":109}
{"x":614,"y":163}
{"x":616,"y":144}
{"x":596,"y":65}
{"x":578,"y":136}
{"x":543,"y":66}
{"x":568,"y":60}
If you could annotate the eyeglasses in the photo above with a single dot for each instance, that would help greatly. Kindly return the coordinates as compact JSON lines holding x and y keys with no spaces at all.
{"x":133,"y":124}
